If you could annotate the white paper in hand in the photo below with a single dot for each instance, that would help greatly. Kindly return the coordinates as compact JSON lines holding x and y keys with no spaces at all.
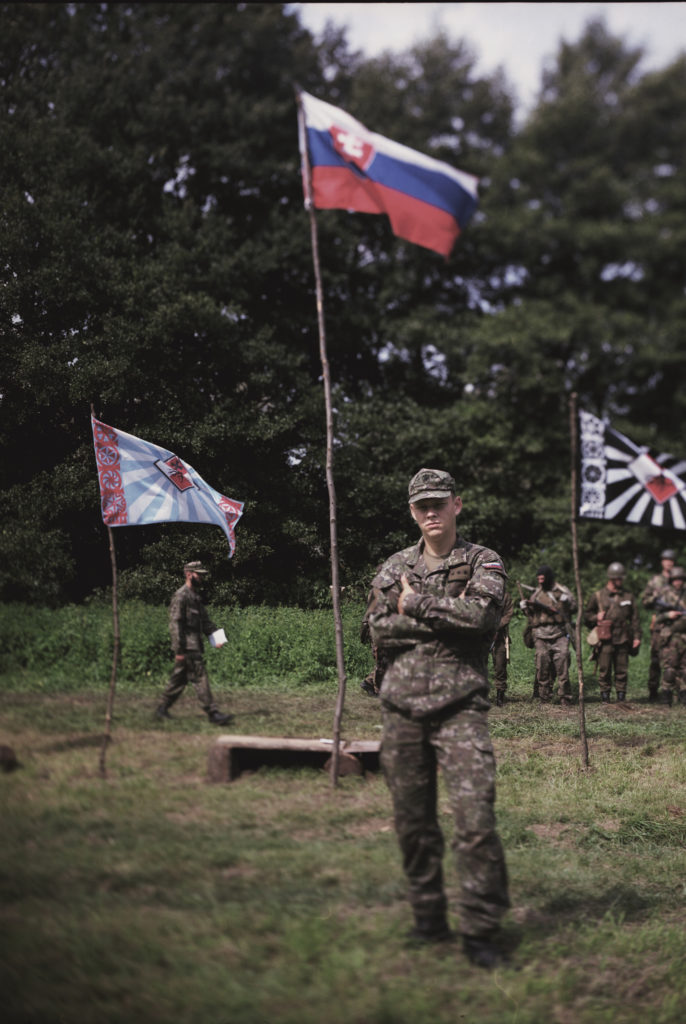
{"x":218,"y":638}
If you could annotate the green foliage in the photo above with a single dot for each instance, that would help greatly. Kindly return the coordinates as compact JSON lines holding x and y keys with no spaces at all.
{"x":71,"y":648}
{"x":159,"y":265}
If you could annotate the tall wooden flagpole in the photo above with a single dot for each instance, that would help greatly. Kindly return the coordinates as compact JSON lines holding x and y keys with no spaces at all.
{"x":335,"y":585}
{"x":115,"y":658}
{"x":107,"y":735}
{"x":574,"y":435}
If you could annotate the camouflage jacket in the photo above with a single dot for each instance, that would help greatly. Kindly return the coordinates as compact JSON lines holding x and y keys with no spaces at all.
{"x":675,"y":600}
{"x":188,"y":621}
{"x":438,"y":648}
{"x":550,"y":616}
{"x":620,"y":608}
{"x":655,"y":587}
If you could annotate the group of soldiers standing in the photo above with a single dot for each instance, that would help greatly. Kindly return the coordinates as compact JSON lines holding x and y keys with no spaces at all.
{"x":612,"y":617}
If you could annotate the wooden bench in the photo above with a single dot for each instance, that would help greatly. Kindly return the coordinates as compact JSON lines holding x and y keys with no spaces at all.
{"x":231,"y":754}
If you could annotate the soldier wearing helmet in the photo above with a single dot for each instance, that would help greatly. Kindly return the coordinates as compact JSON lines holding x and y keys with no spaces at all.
{"x":671,"y":631}
{"x":549,"y":609}
{"x":613,"y":613}
{"x":655,"y":589}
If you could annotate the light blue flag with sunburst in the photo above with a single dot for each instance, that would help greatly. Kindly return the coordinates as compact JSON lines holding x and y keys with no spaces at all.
{"x":142,"y":483}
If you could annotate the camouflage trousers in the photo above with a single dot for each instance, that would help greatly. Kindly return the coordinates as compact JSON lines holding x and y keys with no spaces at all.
{"x":552,"y":662}
{"x":673,"y":663}
{"x":654,"y":668}
{"x":499,"y":655}
{"x":412,"y":753}
{"x":613,"y":657}
{"x":191,"y":670}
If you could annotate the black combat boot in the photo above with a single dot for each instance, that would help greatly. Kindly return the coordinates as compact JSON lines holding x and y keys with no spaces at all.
{"x":621,"y":695}
{"x":605,"y":696}
{"x":652,"y":695}
{"x":217,"y":718}
{"x":682,"y":697}
{"x":483,"y":952}
{"x":162,"y":711}
{"x":499,"y":698}
{"x":429,"y":928}
{"x":666,"y":698}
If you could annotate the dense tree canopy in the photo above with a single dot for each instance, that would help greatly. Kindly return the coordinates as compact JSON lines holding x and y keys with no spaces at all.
{"x":157,"y":263}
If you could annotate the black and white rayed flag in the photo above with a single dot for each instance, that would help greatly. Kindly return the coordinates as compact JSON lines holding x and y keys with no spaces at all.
{"x":620,"y":481}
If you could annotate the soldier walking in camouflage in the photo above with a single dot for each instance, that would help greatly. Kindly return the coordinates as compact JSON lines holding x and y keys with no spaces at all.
{"x":435,"y":610}
{"x":188,"y":623}
{"x":613,"y":612}
{"x":671,"y":631}
{"x":654,"y":589}
{"x":549,"y":609}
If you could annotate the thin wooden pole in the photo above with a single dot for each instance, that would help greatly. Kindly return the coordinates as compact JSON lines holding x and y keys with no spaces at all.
{"x":333,"y":532}
{"x":574,"y":435}
{"x":115,"y":658}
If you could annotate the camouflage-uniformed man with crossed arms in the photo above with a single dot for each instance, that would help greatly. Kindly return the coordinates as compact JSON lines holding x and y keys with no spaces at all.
{"x":434,"y":611}
{"x":654,"y":589}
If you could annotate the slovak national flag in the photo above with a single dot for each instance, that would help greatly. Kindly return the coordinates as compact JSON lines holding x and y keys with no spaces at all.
{"x":428,"y":202}
{"x":141,"y":484}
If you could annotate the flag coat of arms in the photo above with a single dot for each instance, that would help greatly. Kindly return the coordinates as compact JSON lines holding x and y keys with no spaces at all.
{"x":142,"y":484}
{"x":625,"y":483}
{"x":427,"y":201}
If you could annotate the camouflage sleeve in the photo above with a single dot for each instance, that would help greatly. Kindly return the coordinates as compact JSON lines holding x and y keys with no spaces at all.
{"x":206,"y":624}
{"x":571,"y":600}
{"x":508,"y":609}
{"x":177,"y":624}
{"x":387,"y":626}
{"x":477,"y":612}
{"x":652,"y":591}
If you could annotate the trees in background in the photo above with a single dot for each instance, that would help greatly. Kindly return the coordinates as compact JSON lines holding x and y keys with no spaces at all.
{"x":157,"y":263}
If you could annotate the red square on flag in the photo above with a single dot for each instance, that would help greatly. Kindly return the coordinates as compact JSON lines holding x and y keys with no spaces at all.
{"x":175,"y":471}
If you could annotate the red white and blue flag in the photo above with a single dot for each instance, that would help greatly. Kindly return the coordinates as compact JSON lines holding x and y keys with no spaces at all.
{"x":427,"y":201}
{"x":625,"y":483}
{"x":141,"y":484}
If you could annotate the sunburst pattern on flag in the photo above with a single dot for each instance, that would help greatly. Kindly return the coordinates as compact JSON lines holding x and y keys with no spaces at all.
{"x":626,"y":483}
{"x":141,"y":484}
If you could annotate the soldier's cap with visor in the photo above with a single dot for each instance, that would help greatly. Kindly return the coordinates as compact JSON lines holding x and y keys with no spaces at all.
{"x":431,"y":483}
{"x":196,"y":567}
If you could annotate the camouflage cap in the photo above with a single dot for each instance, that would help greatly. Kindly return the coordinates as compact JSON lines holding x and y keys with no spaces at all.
{"x":195,"y":567}
{"x":431,"y":483}
{"x":677,"y":573}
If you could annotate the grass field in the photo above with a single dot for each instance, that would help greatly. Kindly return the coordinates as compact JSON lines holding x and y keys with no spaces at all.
{"x":155,"y":896}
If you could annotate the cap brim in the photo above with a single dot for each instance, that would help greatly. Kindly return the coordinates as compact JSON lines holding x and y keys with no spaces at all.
{"x":423,"y":495}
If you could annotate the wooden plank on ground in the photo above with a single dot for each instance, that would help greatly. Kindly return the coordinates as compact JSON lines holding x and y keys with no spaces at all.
{"x":230,"y":755}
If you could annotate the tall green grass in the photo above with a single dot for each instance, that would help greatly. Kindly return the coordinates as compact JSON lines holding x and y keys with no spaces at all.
{"x":70,"y":648}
